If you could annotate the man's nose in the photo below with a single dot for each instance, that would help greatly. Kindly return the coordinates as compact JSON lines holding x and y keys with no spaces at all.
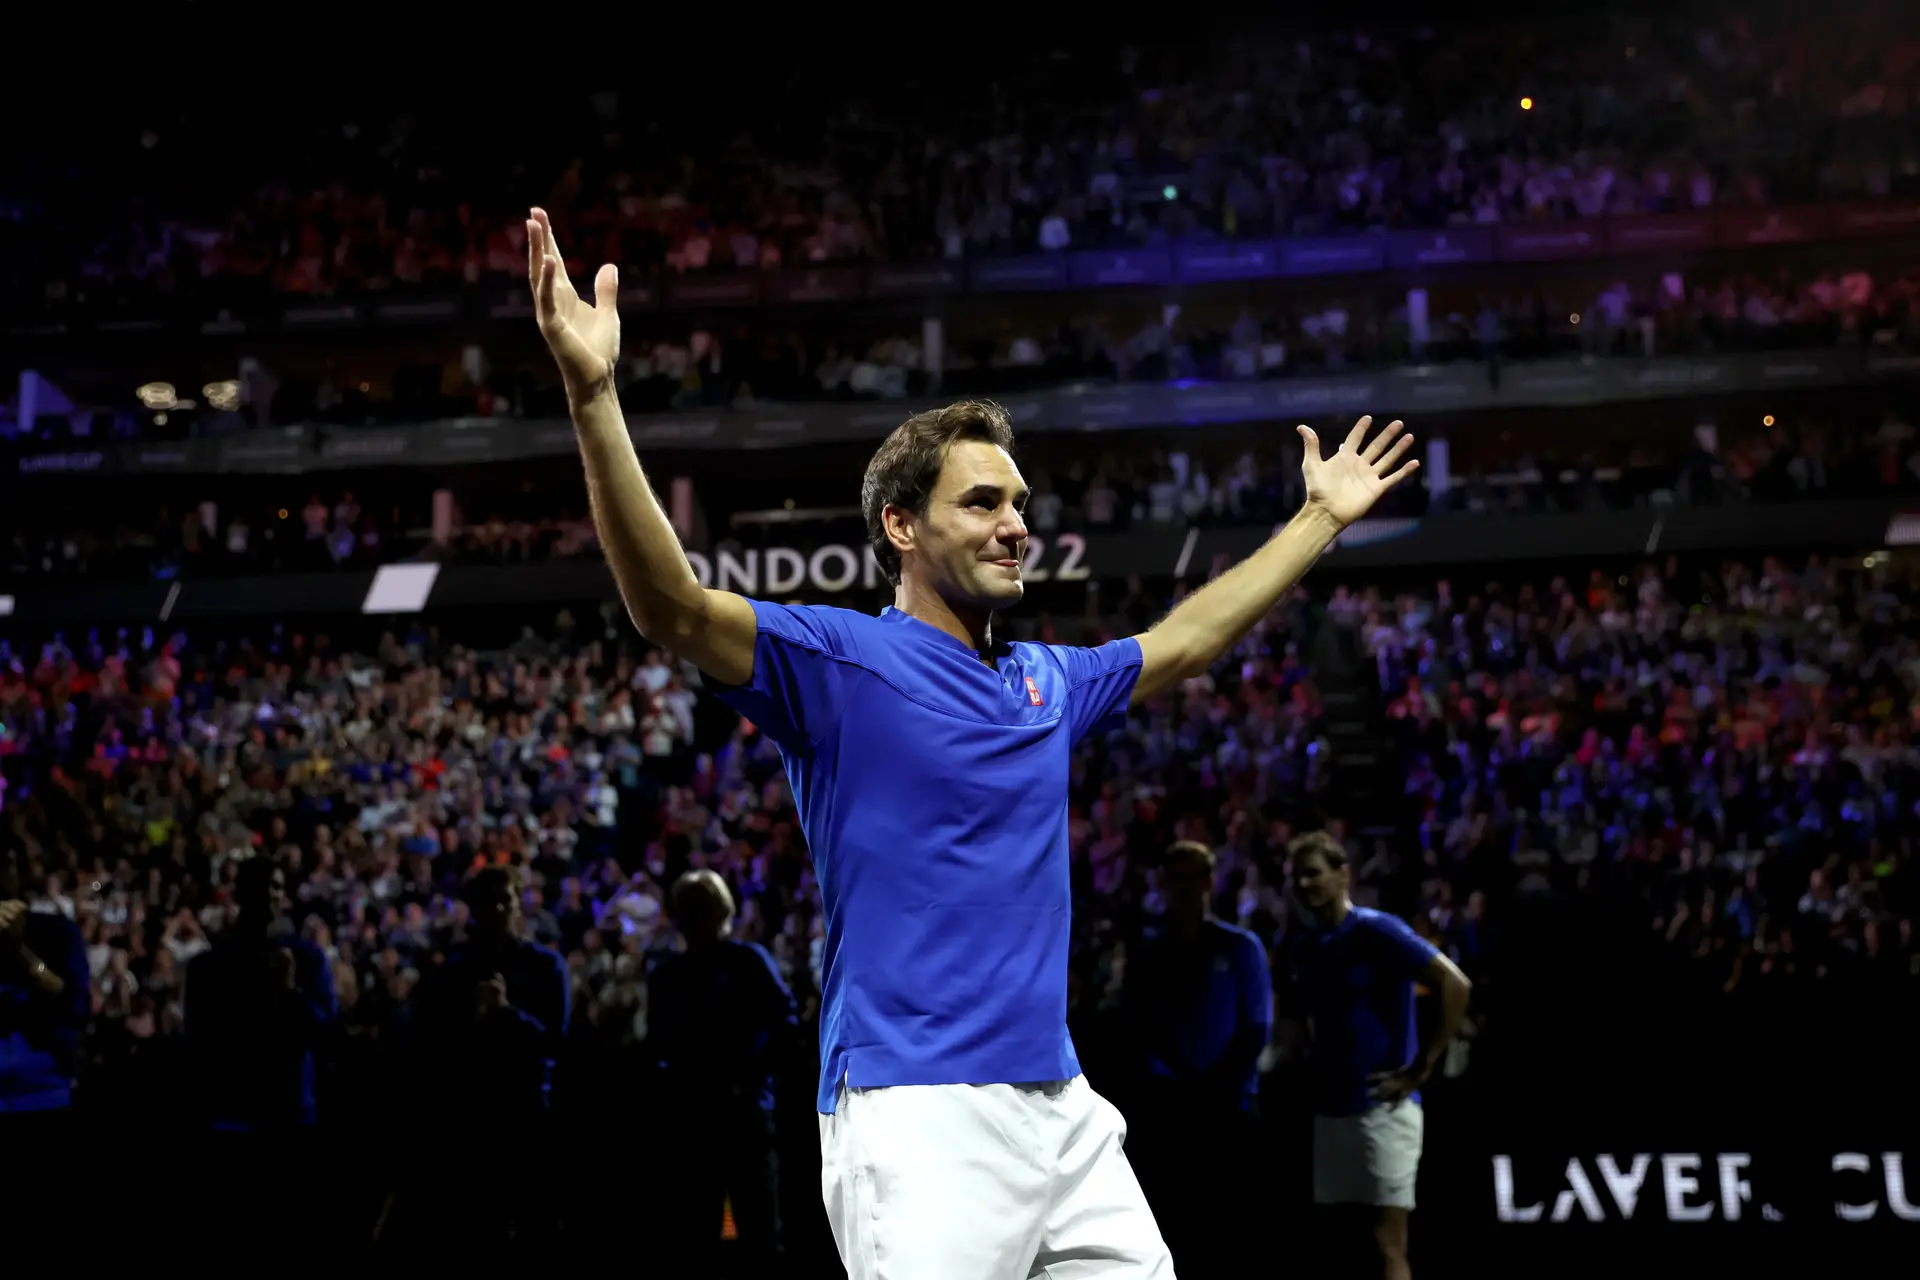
{"x":1014,"y":528}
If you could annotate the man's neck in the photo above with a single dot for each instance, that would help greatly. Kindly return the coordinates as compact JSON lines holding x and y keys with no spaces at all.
{"x":1335,"y":913}
{"x":1188,"y":927}
{"x":970,"y":627}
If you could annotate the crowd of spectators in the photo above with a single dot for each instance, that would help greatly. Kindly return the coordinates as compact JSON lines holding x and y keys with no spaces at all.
{"x":1729,"y":753}
{"x":1269,"y":132}
{"x":1211,"y":479}
{"x":1348,"y":330}
{"x":702,"y":367}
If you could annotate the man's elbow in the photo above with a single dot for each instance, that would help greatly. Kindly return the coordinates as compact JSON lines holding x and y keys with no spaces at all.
{"x":1173,"y":656}
{"x":1188,"y":655}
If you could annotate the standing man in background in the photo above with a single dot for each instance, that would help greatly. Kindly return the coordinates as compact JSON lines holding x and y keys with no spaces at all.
{"x":491,"y":1019}
{"x":719,"y":1022}
{"x":1355,"y":970}
{"x":44,"y":1005}
{"x":259,"y":1004}
{"x":1198,"y":1004}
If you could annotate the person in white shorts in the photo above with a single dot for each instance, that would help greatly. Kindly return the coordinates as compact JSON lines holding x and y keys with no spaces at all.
{"x":1354,"y":971}
{"x":930,"y":762}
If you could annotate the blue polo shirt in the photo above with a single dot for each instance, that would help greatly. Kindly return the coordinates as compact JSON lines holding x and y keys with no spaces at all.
{"x":40,"y":1039}
{"x":932,"y":788}
{"x":1357,"y":983}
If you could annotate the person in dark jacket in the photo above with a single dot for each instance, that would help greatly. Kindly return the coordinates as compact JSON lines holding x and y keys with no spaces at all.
{"x":719,"y":1017}
{"x":490,"y":1022}
{"x":44,"y":1002}
{"x":259,"y":1003}
{"x":260,"y":1007}
{"x":1198,"y":1005}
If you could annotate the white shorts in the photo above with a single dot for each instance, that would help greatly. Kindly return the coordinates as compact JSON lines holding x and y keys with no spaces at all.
{"x":1372,"y":1158}
{"x":985,"y":1182}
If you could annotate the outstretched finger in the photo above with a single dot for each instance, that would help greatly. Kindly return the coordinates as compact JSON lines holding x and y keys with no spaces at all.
{"x":1394,"y":455}
{"x":1399,"y":475}
{"x":1310,"y":443}
{"x":1378,"y":445}
{"x":1359,"y":432}
{"x":534,"y":255}
{"x":543,"y":285}
{"x":551,"y":244}
{"x":606,"y":289}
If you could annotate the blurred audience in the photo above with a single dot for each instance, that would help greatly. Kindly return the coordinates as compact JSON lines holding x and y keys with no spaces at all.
{"x":1269,"y":133}
{"x":1211,"y":478}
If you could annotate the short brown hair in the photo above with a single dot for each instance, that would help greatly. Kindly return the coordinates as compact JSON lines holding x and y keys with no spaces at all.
{"x":1191,"y":851}
{"x":1319,"y":842}
{"x":907,"y":465}
{"x":489,"y":882}
{"x":697,"y":890}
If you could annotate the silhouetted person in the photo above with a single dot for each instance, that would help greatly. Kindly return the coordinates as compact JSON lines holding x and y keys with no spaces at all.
{"x":490,"y":1022}
{"x":718,"y":1017}
{"x":1198,"y":1005}
{"x":259,"y":1003}
{"x":44,"y":1003}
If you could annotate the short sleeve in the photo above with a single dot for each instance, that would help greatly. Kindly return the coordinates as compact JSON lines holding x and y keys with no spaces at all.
{"x":800,"y":667}
{"x":1099,"y":684}
{"x":1256,"y":982}
{"x":1412,"y":953}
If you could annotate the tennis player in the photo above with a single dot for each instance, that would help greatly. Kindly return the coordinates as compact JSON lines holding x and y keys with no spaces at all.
{"x":929,"y":764}
{"x":1357,"y":969}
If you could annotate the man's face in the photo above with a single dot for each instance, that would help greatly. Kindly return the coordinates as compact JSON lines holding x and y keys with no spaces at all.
{"x":1188,"y":885}
{"x":1316,"y":884}
{"x":969,"y":545}
{"x":497,"y":913}
{"x":277,"y":902}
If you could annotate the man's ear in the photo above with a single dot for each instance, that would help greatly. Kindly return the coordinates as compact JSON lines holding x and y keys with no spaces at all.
{"x":900,"y":527}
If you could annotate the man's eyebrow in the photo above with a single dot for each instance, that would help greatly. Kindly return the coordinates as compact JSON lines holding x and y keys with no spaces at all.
{"x":990,"y":490}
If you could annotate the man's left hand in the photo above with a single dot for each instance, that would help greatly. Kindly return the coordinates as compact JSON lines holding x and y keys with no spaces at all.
{"x":1397,"y":1086}
{"x":1347,"y":485}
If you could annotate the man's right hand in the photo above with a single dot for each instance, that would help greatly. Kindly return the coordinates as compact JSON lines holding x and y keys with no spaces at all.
{"x":490,"y":997}
{"x":13,"y":925}
{"x":280,"y":969}
{"x":583,"y":336}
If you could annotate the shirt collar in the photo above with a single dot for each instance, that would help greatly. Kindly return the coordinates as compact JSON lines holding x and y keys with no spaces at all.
{"x":930,"y":632}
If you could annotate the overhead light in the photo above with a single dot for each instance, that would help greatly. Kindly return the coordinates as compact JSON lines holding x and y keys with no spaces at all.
{"x":222,"y":395}
{"x":157,"y":395}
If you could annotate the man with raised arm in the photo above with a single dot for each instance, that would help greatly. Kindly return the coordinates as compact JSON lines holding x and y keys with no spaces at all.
{"x":929,"y":764}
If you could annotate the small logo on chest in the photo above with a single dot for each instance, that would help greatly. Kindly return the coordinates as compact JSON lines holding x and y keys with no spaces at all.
{"x":1033,"y":693}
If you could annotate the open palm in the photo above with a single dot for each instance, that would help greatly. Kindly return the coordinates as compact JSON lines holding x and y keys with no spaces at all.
{"x":1346,"y":485}
{"x":583,"y":336}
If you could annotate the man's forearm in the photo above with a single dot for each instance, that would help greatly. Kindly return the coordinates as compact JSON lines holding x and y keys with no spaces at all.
{"x":656,"y":582}
{"x":41,"y":979}
{"x":1218,"y":614}
{"x":1453,"y":1008}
